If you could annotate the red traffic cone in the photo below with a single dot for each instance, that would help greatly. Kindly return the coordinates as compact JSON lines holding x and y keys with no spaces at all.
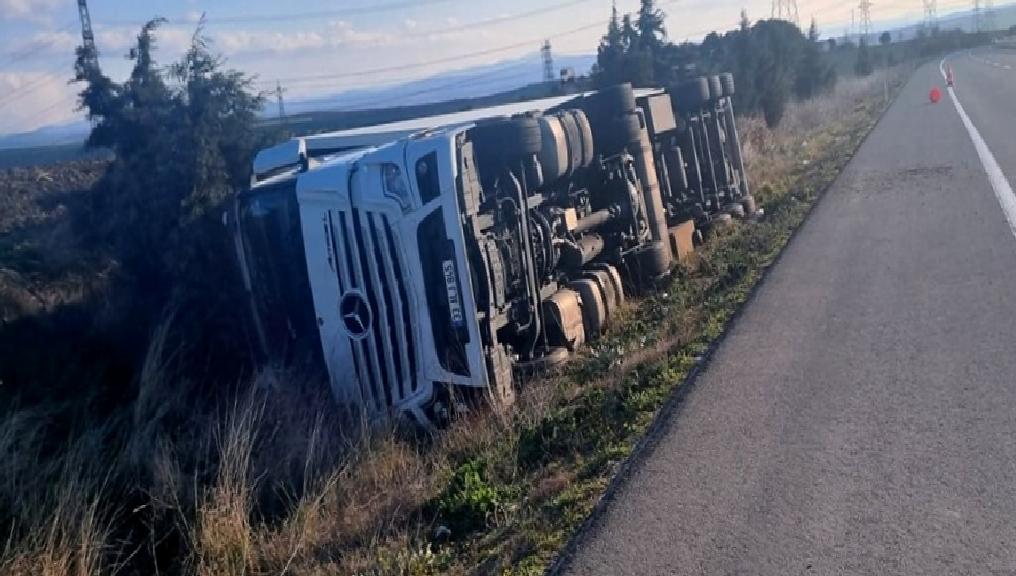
{"x":935,"y":95}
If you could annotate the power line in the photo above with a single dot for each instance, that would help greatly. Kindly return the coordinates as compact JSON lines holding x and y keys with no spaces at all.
{"x":460,"y":27}
{"x":32,"y":48}
{"x":454,"y":58}
{"x":292,"y":16}
{"x":443,"y":60}
{"x":460,"y":76}
{"x":28,"y":88}
{"x":375,"y":8}
{"x":475,"y":81}
{"x":65,"y":101}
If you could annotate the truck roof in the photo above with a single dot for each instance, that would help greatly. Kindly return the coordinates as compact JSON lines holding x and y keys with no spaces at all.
{"x":288,"y":153}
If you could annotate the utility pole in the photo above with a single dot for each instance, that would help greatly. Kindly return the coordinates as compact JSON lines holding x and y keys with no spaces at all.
{"x":989,"y":16}
{"x":87,"y":37}
{"x":282,"y":103}
{"x":786,"y":10}
{"x":865,"y":8}
{"x":977,"y":16}
{"x":930,"y":14}
{"x":548,"y":62}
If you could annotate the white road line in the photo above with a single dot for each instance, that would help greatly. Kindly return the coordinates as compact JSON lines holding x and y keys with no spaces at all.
{"x":999,"y":183}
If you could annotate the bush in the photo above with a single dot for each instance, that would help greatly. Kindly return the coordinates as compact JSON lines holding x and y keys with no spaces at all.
{"x":470,"y":500}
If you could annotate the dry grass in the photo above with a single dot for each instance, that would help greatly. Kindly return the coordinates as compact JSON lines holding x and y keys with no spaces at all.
{"x":266,"y":482}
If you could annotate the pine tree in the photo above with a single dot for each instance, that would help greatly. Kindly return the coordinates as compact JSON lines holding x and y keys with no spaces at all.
{"x":813,"y":74}
{"x":864,"y":65}
{"x":610,"y":53}
{"x":650,"y":25}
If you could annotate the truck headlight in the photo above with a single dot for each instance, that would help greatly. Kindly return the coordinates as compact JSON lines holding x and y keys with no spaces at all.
{"x":395,"y":186}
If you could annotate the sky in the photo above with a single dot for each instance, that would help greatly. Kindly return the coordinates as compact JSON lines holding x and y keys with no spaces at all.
{"x":318,"y":47}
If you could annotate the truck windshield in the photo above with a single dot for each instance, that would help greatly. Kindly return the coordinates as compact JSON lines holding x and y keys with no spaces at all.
{"x":269,"y":221}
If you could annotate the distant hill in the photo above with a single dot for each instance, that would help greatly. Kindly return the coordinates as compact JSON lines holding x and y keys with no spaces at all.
{"x":56,"y":135}
{"x":1005,"y":16}
{"x":461,"y":84}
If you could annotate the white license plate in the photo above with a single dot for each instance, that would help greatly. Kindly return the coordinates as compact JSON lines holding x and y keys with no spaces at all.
{"x":452,"y":288}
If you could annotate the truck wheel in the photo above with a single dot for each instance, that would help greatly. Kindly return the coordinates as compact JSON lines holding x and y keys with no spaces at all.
{"x":586,"y":135}
{"x":691,"y":95}
{"x":622,"y":132}
{"x":649,"y":263}
{"x":715,"y":88}
{"x":727,"y":83}
{"x":594,"y":309}
{"x":554,"y":154}
{"x":571,"y":131}
{"x":605,"y":284}
{"x":502,"y":141}
{"x":610,"y":101}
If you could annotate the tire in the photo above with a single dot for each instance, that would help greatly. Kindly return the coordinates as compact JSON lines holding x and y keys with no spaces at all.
{"x":691,"y":95}
{"x":649,"y":263}
{"x":715,"y":88}
{"x":594,"y":309}
{"x":501,"y":142}
{"x":574,"y":137}
{"x":613,"y":277}
{"x":620,"y":133}
{"x":610,"y":101}
{"x":727,"y":83}
{"x":605,"y":284}
{"x":554,"y":155}
{"x":586,"y":135}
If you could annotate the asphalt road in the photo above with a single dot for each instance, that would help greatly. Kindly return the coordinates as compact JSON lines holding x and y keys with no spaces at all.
{"x":860,"y":418}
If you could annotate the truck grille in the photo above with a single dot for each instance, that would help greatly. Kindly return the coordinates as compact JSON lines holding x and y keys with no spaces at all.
{"x":368,"y":261}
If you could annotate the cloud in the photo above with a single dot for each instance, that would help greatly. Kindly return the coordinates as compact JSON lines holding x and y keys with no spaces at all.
{"x":337,"y":34}
{"x":171,"y":42}
{"x":34,"y":10}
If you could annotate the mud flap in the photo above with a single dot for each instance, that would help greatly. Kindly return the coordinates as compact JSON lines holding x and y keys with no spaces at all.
{"x":501,"y":387}
{"x":682,"y":241}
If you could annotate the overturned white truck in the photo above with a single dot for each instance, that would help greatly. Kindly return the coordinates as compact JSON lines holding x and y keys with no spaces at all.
{"x":438,"y":258}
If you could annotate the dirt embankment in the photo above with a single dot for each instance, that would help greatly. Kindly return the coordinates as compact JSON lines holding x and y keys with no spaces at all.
{"x":42,"y":263}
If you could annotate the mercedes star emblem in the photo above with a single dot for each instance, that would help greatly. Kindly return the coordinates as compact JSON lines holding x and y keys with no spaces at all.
{"x":356,"y":316}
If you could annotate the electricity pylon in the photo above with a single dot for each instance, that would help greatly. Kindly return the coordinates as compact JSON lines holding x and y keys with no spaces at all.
{"x":786,"y":10}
